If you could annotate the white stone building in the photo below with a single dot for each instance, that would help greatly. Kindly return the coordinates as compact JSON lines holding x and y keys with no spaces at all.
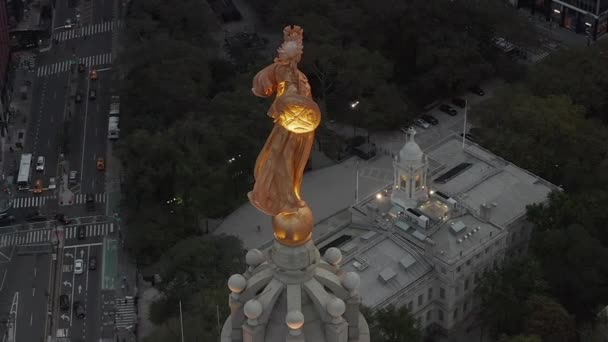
{"x":423,"y":242}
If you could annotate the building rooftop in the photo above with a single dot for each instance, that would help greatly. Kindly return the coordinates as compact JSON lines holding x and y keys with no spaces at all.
{"x":488,"y":180}
{"x":385,"y":263}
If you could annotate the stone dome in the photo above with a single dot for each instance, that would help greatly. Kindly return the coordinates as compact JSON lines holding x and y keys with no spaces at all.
{"x":296,"y":292}
{"x":410,"y":151}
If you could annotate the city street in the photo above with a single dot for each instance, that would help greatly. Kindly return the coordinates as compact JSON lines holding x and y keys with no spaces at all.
{"x":66,"y":123}
{"x":83,"y":288}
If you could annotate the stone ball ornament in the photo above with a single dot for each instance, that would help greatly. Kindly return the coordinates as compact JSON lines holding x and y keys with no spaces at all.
{"x":253,"y":309}
{"x":335,"y":307}
{"x":294,"y":319}
{"x":237,"y":283}
{"x":333,"y":256}
{"x":254,"y":257}
{"x":351,"y":281}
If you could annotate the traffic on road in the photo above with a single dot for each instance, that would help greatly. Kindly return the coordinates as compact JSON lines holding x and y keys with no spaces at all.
{"x":56,"y":215}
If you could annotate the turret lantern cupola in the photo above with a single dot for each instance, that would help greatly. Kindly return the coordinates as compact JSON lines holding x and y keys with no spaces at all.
{"x":410,"y":168}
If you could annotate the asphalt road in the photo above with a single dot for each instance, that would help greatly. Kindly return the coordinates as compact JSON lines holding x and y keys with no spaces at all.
{"x":27,"y":275}
{"x":52,"y":106}
{"x":83,"y":288}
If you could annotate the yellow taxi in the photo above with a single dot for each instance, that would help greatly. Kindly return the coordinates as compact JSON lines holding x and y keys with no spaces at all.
{"x":38,"y":186}
{"x":93,"y":75}
{"x":101,"y":164}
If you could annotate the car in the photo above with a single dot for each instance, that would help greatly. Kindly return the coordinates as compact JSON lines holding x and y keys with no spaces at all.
{"x":477,"y":90}
{"x":52,"y":183}
{"x":430,"y":119}
{"x":81,"y":232}
{"x":81,"y":67}
{"x":469,"y":137}
{"x":101,"y":164}
{"x":421,"y":123}
{"x":78,"y":97}
{"x":92,"y":94}
{"x":90,"y":202}
{"x":64,"y":302}
{"x":63,"y":219}
{"x":448,"y":110}
{"x":35,"y":217}
{"x":40,"y":163}
{"x":78,"y":266}
{"x":7,"y":220}
{"x":93,"y":75}
{"x":38,"y":187}
{"x":72,"y":179}
{"x":92,"y":263}
{"x":459,"y":102}
{"x":79,"y":310}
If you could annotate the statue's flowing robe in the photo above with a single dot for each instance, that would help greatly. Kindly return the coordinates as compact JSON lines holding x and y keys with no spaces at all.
{"x":279,"y":169}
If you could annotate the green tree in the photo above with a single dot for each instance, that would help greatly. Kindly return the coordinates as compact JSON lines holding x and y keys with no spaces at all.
{"x":520,"y":338}
{"x":574,"y":252}
{"x":549,"y":320}
{"x":502,"y":292}
{"x":583,"y":67}
{"x":195,"y":271}
{"x":391,"y":324}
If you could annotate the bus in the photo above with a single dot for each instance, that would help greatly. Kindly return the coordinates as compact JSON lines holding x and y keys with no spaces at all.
{"x":23,"y":179}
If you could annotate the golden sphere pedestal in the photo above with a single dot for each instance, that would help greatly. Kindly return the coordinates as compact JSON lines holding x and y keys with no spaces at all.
{"x":293,"y":229}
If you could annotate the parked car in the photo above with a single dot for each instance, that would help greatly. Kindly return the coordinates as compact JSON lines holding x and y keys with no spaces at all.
{"x":79,"y":310}
{"x":477,"y":90}
{"x":81,"y":232}
{"x":92,"y":94}
{"x":430,"y":119}
{"x":90,"y":202}
{"x":78,"y":97}
{"x":468,"y":137}
{"x":38,"y":187}
{"x":52,"y":183}
{"x":448,"y":110}
{"x":78,"y":266}
{"x":40,"y":163}
{"x":459,"y":102}
{"x":64,"y":302}
{"x":421,"y":123}
{"x":92,"y":263}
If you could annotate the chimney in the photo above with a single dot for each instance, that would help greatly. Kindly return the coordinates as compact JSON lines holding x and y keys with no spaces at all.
{"x":485,"y":211}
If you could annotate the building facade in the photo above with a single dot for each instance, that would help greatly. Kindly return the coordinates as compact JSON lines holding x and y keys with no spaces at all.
{"x":586,"y":17}
{"x":450,"y":215}
{"x":4,"y":58}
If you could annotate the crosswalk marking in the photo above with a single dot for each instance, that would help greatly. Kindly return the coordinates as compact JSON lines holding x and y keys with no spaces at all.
{"x":88,"y":30}
{"x":64,"y":66}
{"x":125,"y":312}
{"x":539,"y":57}
{"x":99,"y":198}
{"x":27,"y":202}
{"x":98,"y":229}
{"x":44,"y":235}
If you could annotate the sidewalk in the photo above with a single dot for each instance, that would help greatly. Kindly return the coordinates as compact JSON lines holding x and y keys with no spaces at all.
{"x":19,"y":116}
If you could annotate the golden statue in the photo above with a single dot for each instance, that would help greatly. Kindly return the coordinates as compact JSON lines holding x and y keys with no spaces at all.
{"x":279,"y":168}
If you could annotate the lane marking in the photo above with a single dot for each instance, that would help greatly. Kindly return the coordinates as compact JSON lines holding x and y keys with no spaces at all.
{"x":33,"y":292}
{"x":31,"y":319}
{"x":84,"y":130}
{"x":35,"y":272}
{"x":3,"y":279}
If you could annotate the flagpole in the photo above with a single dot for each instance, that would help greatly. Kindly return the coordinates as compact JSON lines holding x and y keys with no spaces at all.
{"x":464,"y":127}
